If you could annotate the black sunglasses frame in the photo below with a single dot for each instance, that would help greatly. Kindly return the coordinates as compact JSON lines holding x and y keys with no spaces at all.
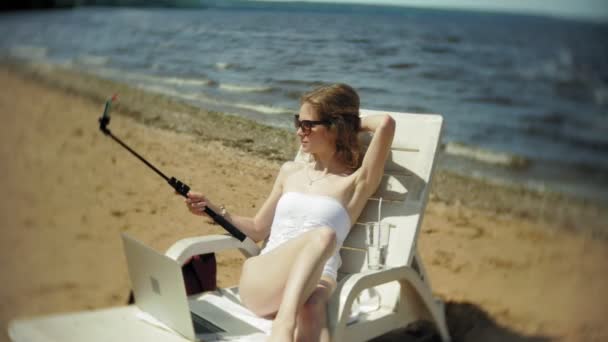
{"x":307,"y":125}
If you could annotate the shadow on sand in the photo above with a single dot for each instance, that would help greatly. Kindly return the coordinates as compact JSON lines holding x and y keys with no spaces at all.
{"x":466,"y":323}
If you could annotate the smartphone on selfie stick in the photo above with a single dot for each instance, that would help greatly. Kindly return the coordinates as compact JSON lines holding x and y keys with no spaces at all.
{"x":176,"y":184}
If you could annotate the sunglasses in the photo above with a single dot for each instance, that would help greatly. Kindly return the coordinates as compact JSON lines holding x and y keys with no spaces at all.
{"x":307,"y":125}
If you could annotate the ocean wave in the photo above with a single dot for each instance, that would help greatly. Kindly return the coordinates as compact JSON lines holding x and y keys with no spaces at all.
{"x":571,"y":132}
{"x":402,"y":65}
{"x":435,"y":38}
{"x":248,"y":34}
{"x":218,"y":103}
{"x":358,"y":40}
{"x":300,"y":83}
{"x":168,"y":91}
{"x":223,"y":65}
{"x":600,"y":96}
{"x":225,"y":106}
{"x":453,"y":39}
{"x":371,"y":90}
{"x":417,"y":109}
{"x":438,"y":50}
{"x":574,"y":89}
{"x":551,"y":119}
{"x":262,"y":108}
{"x":590,"y":139}
{"x":293,"y":95}
{"x":496,"y":100}
{"x":139,"y":78}
{"x":384,"y":51}
{"x":187,"y":81}
{"x":92,"y":60}
{"x":486,"y":156}
{"x":30,"y":52}
{"x":300,"y":62}
{"x":441,"y":75}
{"x":237,"y":88}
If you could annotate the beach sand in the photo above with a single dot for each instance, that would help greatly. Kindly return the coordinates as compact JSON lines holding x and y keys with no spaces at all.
{"x":512,"y":265}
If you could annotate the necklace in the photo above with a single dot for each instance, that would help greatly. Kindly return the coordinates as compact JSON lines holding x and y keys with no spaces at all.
{"x":311,"y":180}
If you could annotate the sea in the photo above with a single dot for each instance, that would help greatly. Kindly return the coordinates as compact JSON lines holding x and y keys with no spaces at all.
{"x":524,"y":98}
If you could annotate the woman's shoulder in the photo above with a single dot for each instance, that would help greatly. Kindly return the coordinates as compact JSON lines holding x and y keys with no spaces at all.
{"x":290,"y":167}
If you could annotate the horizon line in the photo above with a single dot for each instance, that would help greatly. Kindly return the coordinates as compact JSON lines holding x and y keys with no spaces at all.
{"x":598,"y":19}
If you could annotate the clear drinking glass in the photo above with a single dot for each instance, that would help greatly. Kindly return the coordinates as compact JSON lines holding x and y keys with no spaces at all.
{"x":377,"y":242}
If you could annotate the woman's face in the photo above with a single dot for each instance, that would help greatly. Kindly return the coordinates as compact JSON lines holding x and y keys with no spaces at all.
{"x":320,"y":139}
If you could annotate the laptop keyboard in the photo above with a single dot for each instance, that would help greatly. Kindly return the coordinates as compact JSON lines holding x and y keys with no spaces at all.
{"x":203,"y":326}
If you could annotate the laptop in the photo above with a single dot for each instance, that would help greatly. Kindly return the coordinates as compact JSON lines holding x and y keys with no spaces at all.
{"x":159,"y":290}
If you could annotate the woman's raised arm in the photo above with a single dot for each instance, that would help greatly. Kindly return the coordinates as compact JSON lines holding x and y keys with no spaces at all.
{"x":372,"y":168}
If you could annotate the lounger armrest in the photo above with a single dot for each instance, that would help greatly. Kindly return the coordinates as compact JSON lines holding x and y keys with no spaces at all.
{"x":184,"y":249}
{"x":349,"y":288}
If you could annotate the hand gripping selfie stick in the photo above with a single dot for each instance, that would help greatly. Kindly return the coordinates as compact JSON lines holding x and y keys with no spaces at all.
{"x":176,"y":184}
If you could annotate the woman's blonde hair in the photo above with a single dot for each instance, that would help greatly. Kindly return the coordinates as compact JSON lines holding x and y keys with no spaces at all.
{"x":339,"y":104}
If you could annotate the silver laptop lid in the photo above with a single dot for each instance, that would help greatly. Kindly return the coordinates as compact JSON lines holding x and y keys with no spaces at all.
{"x":158,"y":286}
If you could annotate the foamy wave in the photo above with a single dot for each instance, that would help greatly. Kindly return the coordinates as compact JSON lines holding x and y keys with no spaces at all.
{"x":262,"y":108}
{"x":168,"y":91}
{"x":28,"y":51}
{"x":187,"y":81}
{"x":139,"y":78}
{"x":270,"y":110}
{"x":245,"y":89}
{"x":157,"y":88}
{"x":486,"y":156}
{"x":171,"y":80}
{"x":223,"y":66}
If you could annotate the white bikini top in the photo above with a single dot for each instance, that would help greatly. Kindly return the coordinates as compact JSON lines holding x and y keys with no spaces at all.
{"x":298,"y":212}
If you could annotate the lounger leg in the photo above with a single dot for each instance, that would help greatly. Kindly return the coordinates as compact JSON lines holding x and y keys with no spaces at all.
{"x":421,"y":306}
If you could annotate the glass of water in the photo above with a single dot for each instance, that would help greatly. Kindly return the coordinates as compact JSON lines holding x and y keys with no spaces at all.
{"x":377,"y":243}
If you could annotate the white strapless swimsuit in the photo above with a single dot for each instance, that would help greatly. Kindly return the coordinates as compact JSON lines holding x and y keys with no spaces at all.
{"x":298,"y":213}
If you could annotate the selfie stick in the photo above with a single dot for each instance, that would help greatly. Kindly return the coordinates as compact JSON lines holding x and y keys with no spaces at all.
{"x":176,"y":184}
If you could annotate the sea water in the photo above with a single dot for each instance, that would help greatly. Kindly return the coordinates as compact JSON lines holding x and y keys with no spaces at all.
{"x":525,"y":98}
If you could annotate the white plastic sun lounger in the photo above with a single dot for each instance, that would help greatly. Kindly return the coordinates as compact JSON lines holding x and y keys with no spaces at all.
{"x":384,"y":300}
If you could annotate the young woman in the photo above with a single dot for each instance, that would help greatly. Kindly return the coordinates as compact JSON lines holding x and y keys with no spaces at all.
{"x":309,"y":213}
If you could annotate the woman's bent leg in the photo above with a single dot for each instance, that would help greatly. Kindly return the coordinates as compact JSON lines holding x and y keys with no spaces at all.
{"x":264,"y":278}
{"x":312,"y":317}
{"x":301,"y":282}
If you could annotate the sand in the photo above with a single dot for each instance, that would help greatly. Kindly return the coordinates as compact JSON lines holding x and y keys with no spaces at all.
{"x":511,"y":265}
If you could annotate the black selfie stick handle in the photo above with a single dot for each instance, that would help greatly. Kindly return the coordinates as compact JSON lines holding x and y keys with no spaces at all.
{"x":183,"y":189}
{"x":180,"y":188}
{"x":221,"y":220}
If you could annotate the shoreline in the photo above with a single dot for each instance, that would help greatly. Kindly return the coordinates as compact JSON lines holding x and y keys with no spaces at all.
{"x":506,"y":271}
{"x":497,"y":165}
{"x":566,"y":211}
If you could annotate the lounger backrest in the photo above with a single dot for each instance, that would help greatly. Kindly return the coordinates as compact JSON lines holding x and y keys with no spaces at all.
{"x":404,"y":190}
